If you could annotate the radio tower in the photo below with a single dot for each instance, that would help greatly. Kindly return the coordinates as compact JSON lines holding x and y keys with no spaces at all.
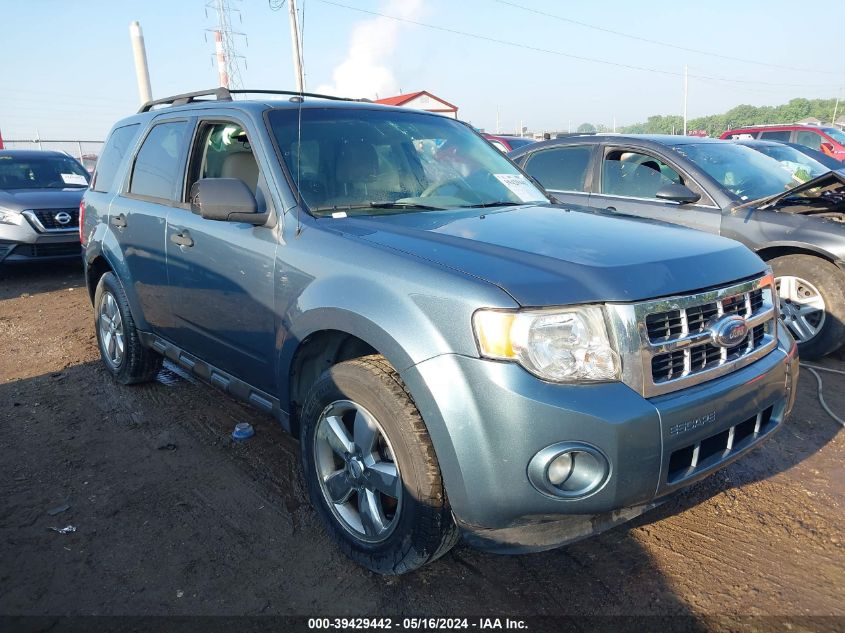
{"x":226,"y":55}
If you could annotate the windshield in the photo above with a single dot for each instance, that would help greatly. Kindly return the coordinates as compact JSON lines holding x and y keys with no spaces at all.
{"x":366,"y":161}
{"x":799,"y":164}
{"x":742,"y":171}
{"x":836,"y":135}
{"x":41,"y":172}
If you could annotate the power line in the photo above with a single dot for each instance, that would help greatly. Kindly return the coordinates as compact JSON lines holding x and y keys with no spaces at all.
{"x":667,"y":44}
{"x":582,"y":58}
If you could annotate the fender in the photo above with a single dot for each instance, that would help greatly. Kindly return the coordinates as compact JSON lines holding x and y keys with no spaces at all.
{"x":809,"y":249}
{"x":400,"y":326}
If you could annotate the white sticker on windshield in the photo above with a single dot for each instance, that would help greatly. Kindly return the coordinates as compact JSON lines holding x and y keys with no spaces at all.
{"x":74,"y":179}
{"x":521,"y":187}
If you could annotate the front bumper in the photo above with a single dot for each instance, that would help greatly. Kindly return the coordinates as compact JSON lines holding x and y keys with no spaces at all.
{"x":488,"y":419}
{"x":22,"y":243}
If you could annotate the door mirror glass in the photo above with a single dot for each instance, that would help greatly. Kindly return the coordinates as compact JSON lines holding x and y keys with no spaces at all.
{"x":677,"y":193}
{"x":227,"y":200}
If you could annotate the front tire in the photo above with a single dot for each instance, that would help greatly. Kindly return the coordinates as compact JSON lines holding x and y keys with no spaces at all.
{"x":125,"y":358}
{"x":812,"y":303}
{"x":371,"y":471}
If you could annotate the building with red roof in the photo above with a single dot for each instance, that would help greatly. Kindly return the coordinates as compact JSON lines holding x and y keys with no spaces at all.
{"x":422,"y":100}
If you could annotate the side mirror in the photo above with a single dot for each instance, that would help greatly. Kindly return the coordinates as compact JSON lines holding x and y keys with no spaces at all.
{"x":677,"y":193}
{"x":827,"y":148}
{"x":227,"y":200}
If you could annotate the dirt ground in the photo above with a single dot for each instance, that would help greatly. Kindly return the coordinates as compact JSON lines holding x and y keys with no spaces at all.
{"x":173,"y":518}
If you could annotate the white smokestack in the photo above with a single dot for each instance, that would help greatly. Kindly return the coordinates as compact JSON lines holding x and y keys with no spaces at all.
{"x":139,"y":52}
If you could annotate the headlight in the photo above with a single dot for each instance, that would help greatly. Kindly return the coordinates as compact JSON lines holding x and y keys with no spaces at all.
{"x":7,"y":216}
{"x":559,"y":345}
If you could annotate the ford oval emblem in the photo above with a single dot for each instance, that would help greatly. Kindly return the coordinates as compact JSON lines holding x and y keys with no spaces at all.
{"x":729,"y":331}
{"x":62,"y":217}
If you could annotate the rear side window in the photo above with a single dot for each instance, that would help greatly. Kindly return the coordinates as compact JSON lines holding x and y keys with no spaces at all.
{"x":158,"y":166}
{"x":775,"y":135}
{"x":561,"y":168}
{"x":119,"y":143}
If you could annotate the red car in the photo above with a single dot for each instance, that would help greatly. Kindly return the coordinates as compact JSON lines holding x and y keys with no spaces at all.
{"x":828,"y":140}
{"x":507,"y":143}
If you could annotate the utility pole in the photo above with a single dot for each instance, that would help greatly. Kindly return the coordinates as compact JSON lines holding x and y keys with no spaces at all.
{"x":139,"y":52}
{"x":497,"y":119}
{"x":295,"y":44}
{"x":686,"y":90}
{"x":835,"y":107}
{"x":614,"y":124}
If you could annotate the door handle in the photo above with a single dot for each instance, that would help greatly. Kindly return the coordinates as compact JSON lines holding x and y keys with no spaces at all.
{"x":611,"y":208}
{"x":182,"y":239}
{"x":119,"y":221}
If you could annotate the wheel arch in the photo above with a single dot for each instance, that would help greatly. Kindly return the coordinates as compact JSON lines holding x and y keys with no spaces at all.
{"x":315,"y":353}
{"x":771,"y":251}
{"x":94,"y":271}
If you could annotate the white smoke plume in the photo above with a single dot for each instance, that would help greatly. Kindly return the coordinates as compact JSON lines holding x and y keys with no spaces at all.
{"x":365,"y":71}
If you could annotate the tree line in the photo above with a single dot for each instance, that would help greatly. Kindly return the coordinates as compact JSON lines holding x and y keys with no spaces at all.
{"x":739,"y":116}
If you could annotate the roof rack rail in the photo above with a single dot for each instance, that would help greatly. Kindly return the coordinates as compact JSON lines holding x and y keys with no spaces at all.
{"x":225,"y":94}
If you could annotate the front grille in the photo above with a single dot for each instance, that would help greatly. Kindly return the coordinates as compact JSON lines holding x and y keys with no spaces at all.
{"x":689,"y":460}
{"x":670,"y":324}
{"x":673,"y":364}
{"x":669,"y":344}
{"x":48,"y":249}
{"x":47,"y":219}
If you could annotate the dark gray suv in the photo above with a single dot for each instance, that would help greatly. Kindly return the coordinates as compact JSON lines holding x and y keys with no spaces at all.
{"x":722,"y":188}
{"x":40,"y":193}
{"x":456,"y":354}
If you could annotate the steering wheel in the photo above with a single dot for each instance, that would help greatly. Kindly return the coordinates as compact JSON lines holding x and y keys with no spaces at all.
{"x":742,"y":186}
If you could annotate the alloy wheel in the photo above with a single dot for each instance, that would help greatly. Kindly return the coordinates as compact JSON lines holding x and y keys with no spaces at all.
{"x":111,"y":330}
{"x":802,"y":307}
{"x":357,"y":471}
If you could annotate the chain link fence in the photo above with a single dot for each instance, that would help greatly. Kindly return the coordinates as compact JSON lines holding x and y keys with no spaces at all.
{"x":86,"y":152}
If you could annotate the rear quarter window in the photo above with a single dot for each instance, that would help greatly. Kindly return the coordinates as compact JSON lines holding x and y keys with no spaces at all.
{"x":775,"y":135}
{"x":118,"y":145}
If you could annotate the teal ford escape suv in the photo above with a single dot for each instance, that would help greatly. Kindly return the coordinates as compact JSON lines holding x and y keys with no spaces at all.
{"x":456,"y":353}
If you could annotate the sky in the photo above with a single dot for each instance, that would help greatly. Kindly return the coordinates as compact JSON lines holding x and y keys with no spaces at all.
{"x":67,"y":68}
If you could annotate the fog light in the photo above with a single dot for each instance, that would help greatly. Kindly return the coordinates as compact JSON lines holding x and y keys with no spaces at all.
{"x":569,"y":470}
{"x":560,"y":469}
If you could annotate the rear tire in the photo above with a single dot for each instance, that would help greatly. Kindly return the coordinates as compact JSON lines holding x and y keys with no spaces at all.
{"x":346,"y":477}
{"x":812,"y":300}
{"x":125,"y":358}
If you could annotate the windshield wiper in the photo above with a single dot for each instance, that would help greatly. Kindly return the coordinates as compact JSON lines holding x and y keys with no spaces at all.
{"x":495,"y":203}
{"x":375,"y":205}
{"x":404,"y":205}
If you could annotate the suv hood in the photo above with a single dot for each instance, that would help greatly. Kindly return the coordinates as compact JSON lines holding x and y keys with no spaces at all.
{"x":20,"y":199}
{"x":831,"y":185}
{"x":551,"y":255}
